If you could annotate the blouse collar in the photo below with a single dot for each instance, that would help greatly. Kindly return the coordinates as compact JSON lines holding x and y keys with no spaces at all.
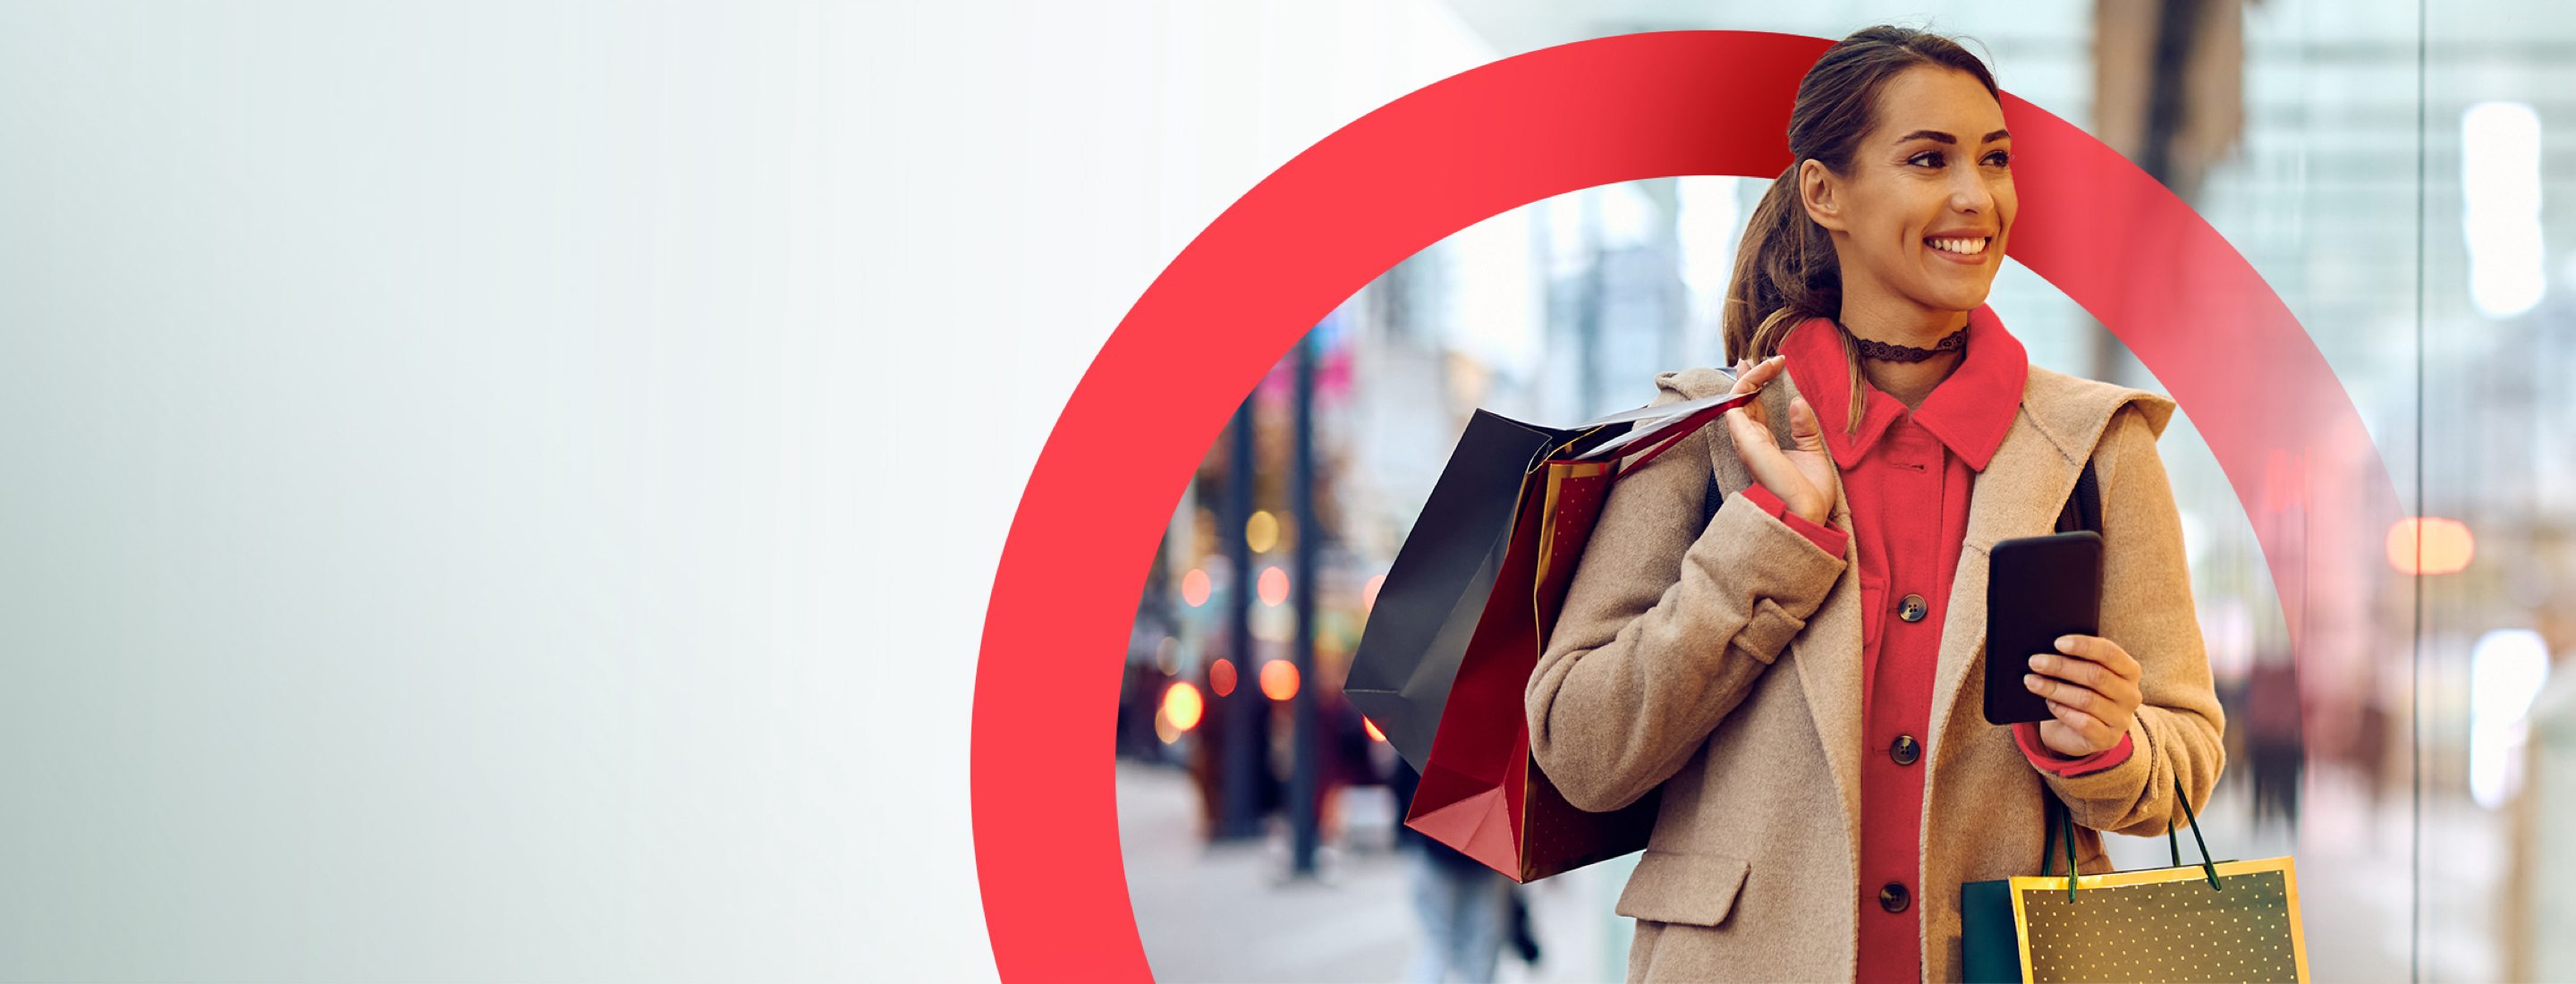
{"x":1968,"y":412}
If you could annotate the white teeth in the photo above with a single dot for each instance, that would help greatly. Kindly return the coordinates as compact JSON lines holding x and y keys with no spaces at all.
{"x":1969,"y":247}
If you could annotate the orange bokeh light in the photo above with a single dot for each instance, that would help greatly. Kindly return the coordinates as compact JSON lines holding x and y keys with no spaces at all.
{"x":1279,"y":679}
{"x":1274,"y":586}
{"x":1374,"y":734}
{"x":2430,"y":545}
{"x":1195,"y":587}
{"x":1368,"y":592}
{"x":1181,"y":705}
{"x":1221,"y":677}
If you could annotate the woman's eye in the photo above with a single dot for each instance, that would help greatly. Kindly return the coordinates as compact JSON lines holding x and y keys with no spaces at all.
{"x":1929,"y":158}
{"x":1999,"y":159}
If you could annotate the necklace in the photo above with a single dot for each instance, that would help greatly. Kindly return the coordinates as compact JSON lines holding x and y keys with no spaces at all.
{"x":1956,"y":341}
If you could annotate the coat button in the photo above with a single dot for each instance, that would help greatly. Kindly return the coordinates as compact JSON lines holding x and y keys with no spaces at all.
{"x":1913,"y":608}
{"x":1894,"y":898}
{"x":1905,"y":750}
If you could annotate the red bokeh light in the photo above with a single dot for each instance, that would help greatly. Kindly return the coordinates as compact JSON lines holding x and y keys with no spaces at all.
{"x":1374,"y":734}
{"x":1195,"y":587}
{"x":1221,"y":677}
{"x":1274,"y":586}
{"x":1279,"y":679}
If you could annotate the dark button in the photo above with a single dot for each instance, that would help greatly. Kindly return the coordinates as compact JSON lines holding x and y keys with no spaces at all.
{"x":1894,"y":898}
{"x":1905,"y":750}
{"x":1912,"y":609}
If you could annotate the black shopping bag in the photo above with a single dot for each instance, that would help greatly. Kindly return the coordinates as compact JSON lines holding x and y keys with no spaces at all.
{"x":1433,"y":598}
{"x":1476,"y":645}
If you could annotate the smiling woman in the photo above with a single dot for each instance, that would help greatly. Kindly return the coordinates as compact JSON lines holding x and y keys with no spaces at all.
{"x":1818,"y":818}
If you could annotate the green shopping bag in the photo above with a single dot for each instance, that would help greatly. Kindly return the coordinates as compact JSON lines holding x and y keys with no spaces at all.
{"x":2215,"y":921}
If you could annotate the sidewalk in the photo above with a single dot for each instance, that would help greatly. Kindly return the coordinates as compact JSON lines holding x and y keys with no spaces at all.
{"x":1227,"y":913}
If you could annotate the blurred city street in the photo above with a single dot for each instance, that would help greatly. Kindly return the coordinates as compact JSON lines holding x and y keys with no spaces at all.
{"x":2383,"y":678}
{"x":1226,"y":911}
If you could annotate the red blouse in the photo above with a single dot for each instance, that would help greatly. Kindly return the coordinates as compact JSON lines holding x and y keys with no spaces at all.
{"x":1908,"y":476}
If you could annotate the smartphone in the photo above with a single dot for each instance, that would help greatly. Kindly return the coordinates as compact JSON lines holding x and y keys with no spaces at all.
{"x":2037,"y":588}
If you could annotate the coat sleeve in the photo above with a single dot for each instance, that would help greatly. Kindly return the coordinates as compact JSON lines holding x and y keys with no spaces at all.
{"x":1665,"y":628}
{"x":2147,"y":609}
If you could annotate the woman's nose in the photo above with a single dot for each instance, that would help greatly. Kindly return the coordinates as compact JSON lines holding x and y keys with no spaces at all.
{"x":1968,"y":193}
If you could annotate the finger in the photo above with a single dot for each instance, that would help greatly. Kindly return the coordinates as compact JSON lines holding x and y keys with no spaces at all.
{"x":2095,"y":734}
{"x":2081,"y":698}
{"x":2101,"y":651}
{"x":1759,"y":414}
{"x":2080,"y":672}
{"x":1751,"y":436}
{"x":1753,"y":447}
{"x":1751,"y":376}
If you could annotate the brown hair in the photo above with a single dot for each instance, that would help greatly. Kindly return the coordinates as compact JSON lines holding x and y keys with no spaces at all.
{"x":1785,"y":271}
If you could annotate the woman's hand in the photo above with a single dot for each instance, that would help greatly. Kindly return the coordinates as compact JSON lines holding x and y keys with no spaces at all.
{"x":1803,"y":476}
{"x":2093,"y":690}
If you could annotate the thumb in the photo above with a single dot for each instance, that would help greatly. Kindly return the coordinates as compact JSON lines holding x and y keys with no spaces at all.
{"x":1804,"y":429}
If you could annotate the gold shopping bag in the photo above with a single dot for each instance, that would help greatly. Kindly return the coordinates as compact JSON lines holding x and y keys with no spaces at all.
{"x":2215,"y":921}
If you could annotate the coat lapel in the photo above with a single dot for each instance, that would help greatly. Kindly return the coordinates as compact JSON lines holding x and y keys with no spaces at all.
{"x":2019,"y":494}
{"x":1827,"y":652}
{"x":1828,"y":656}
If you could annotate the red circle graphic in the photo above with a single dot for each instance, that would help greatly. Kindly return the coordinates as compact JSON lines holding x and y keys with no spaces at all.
{"x":1396,"y":181}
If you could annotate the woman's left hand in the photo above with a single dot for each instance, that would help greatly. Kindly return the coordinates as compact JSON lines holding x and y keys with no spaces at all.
{"x":2093,"y":690}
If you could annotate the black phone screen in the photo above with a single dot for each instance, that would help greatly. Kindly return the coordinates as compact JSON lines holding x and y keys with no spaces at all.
{"x":2037,"y":588}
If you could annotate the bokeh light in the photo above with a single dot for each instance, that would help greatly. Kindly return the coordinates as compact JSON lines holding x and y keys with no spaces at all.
{"x":1373,"y":733}
{"x":1368,"y":592}
{"x":2445,"y":545}
{"x":1261,"y":532}
{"x":1274,"y":586}
{"x":1182,"y":705}
{"x":1221,"y":677}
{"x":1279,"y":679}
{"x":1195,"y":587}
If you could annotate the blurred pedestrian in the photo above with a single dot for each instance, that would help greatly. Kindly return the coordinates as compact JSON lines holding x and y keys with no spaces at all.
{"x":1465,"y":907}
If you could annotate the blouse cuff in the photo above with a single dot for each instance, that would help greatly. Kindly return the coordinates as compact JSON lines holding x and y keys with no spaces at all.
{"x":1826,"y":538}
{"x":2026,"y":734}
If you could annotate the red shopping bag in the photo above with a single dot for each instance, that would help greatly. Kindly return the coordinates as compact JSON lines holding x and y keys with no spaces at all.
{"x":1481,"y":792}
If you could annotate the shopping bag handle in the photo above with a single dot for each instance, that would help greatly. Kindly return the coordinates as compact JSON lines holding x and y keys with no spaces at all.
{"x":1659,"y":411}
{"x":2060,"y":816}
{"x":2207,"y":867}
{"x":1678,"y":420}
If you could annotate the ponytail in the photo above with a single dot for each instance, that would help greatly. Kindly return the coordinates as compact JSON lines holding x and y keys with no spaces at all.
{"x":1785,"y":274}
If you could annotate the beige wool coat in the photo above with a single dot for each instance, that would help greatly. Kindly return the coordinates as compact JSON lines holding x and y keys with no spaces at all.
{"x":1725,"y":664}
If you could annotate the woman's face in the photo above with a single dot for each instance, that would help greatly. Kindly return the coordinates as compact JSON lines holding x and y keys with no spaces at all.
{"x":1920,"y":221}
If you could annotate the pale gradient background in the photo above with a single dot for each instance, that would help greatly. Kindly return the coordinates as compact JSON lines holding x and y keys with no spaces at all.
{"x":462,"y":506}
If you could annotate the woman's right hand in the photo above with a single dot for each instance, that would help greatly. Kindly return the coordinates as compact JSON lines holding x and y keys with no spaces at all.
{"x":1803,"y":474}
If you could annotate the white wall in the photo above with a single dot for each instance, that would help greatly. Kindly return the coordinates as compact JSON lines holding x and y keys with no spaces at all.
{"x":456,"y":518}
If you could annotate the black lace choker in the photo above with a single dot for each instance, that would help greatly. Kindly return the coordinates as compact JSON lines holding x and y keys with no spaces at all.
{"x":1956,"y":341}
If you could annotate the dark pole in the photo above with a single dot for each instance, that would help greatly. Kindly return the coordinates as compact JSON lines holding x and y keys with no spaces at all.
{"x":1243,"y":763}
{"x":1303,"y":784}
{"x":2177,"y":25}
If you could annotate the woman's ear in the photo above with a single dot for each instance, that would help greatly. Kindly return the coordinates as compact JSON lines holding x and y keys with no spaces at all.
{"x":1817,"y":191}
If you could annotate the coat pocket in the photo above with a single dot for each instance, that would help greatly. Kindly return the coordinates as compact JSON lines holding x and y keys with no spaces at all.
{"x":1698,"y":889}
